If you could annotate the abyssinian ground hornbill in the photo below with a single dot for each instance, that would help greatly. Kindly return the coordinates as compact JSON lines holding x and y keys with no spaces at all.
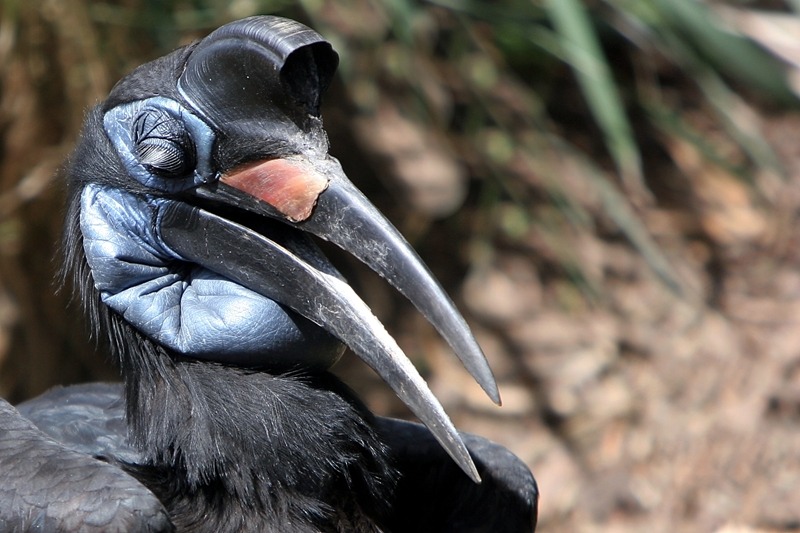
{"x":193,"y":193}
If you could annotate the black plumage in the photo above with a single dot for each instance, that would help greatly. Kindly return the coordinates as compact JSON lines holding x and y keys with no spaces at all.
{"x":51,"y":485}
{"x":237,"y":440}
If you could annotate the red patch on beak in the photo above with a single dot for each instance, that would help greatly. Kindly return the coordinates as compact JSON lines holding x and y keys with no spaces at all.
{"x":291,"y":187}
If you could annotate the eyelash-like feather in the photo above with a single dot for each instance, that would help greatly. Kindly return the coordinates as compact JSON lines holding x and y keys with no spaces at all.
{"x":162,"y":144}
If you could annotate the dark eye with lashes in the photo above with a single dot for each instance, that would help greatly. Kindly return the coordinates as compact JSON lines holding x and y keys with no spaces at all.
{"x":163,"y":145}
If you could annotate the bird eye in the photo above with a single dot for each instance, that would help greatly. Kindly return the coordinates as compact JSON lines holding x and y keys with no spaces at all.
{"x":162,"y":144}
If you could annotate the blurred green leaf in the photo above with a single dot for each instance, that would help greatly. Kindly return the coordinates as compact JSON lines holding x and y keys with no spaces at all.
{"x":581,"y":48}
{"x":731,"y":54}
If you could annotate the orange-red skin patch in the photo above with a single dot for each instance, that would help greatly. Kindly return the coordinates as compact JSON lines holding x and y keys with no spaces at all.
{"x":291,"y":187}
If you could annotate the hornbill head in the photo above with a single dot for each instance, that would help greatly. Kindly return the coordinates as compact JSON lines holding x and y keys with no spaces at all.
{"x":194,"y":191}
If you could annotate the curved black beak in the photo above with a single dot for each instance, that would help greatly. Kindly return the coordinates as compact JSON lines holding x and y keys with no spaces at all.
{"x":326,"y":204}
{"x":253,"y":86}
{"x":267,"y":267}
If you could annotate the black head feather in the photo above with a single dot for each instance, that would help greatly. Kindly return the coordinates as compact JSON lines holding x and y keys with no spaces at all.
{"x":156,"y":78}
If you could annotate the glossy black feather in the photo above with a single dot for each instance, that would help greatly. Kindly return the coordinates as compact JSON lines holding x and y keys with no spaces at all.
{"x":299,"y":470}
{"x":433,"y":495}
{"x":49,"y":487}
{"x":425,"y":492}
{"x":260,"y":452}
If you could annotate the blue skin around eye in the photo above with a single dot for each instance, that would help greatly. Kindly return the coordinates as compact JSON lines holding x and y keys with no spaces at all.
{"x":189,"y":309}
{"x":118,"y":123}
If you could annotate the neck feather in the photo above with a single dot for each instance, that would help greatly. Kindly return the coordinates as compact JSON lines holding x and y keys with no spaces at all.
{"x":296,"y":450}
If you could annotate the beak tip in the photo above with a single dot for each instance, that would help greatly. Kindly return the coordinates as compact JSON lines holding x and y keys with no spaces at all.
{"x":495,"y":397}
{"x":479,"y":368}
{"x":489,"y":386}
{"x":475,"y":476}
{"x":460,"y":454}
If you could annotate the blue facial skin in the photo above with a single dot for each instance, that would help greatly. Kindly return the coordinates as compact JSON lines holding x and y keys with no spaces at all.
{"x":190,"y":309}
{"x":118,"y":123}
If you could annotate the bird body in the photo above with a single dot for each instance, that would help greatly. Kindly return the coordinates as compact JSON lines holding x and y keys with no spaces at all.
{"x":192,"y":194}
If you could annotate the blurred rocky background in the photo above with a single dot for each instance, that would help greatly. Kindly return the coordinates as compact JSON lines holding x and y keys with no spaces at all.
{"x":609,"y":189}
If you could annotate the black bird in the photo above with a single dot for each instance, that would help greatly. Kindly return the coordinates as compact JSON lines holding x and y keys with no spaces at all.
{"x":193,"y":192}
